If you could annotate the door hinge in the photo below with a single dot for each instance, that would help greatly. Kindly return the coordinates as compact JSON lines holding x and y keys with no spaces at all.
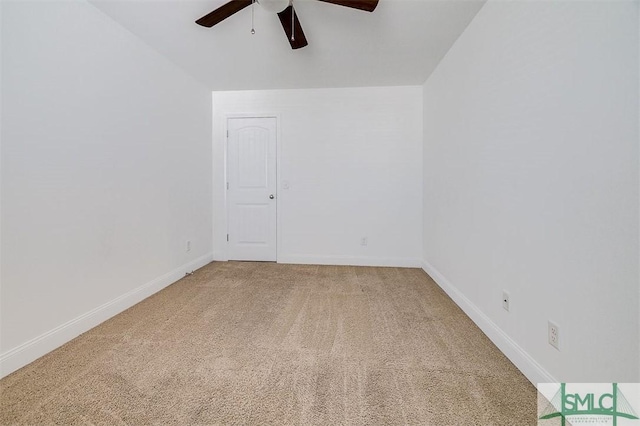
{"x":227,"y":133}
{"x":227,"y":237}
{"x":227,"y":185}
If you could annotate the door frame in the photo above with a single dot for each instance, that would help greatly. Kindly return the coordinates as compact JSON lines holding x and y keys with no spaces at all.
{"x":227,"y":117}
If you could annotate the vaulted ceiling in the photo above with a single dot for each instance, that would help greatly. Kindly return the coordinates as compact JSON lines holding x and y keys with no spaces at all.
{"x":400,"y":43}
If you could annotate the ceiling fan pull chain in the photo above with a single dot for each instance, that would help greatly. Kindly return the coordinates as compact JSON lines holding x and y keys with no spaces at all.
{"x":253,"y":30}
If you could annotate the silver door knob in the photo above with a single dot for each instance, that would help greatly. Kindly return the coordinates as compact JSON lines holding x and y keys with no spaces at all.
{"x":271,"y":197}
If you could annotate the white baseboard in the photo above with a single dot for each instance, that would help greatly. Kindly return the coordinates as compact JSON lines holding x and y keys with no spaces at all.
{"x":29,"y":351}
{"x":518,"y":356}
{"x":350,"y":261}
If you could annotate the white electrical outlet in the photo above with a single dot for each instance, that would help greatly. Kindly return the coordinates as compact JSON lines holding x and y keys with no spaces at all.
{"x":505,"y":300}
{"x":188,"y":246}
{"x":364,"y":241}
{"x":554,"y":335}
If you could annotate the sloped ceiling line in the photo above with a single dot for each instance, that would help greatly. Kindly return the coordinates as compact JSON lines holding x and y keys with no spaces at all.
{"x":399,"y":44}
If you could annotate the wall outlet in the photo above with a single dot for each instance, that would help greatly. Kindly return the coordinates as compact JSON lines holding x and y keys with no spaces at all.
{"x":364,"y":241}
{"x":505,"y":300}
{"x":554,"y":335}
{"x":188,"y":246}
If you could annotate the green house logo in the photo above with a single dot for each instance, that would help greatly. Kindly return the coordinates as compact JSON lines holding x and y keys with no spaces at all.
{"x":590,"y":404}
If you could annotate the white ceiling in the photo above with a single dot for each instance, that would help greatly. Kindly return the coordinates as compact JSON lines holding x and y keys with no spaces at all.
{"x":400,"y":43}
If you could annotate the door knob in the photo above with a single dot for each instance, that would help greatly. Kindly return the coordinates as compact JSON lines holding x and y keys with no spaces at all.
{"x":271,"y":197}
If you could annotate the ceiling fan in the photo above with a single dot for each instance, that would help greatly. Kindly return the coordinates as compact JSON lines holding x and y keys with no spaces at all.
{"x":285,"y":11}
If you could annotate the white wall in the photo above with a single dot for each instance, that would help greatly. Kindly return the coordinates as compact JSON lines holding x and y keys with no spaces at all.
{"x":531,"y":183}
{"x":106,"y":172}
{"x":353,"y":159}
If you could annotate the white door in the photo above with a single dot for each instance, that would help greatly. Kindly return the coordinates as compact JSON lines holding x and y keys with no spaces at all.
{"x":251,"y":188}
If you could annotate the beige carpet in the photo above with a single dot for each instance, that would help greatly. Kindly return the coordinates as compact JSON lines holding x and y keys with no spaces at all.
{"x":260,"y":343}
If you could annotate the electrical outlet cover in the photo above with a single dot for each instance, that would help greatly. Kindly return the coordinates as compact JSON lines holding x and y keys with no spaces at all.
{"x":554,"y":335}
{"x":505,"y":300}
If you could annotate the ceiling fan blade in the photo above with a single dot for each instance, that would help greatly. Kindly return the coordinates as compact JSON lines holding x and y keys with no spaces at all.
{"x":223,"y":12}
{"x":299,"y":40}
{"x":366,"y":5}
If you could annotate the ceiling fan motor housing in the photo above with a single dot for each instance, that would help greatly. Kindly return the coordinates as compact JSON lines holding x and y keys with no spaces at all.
{"x":275,"y":6}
